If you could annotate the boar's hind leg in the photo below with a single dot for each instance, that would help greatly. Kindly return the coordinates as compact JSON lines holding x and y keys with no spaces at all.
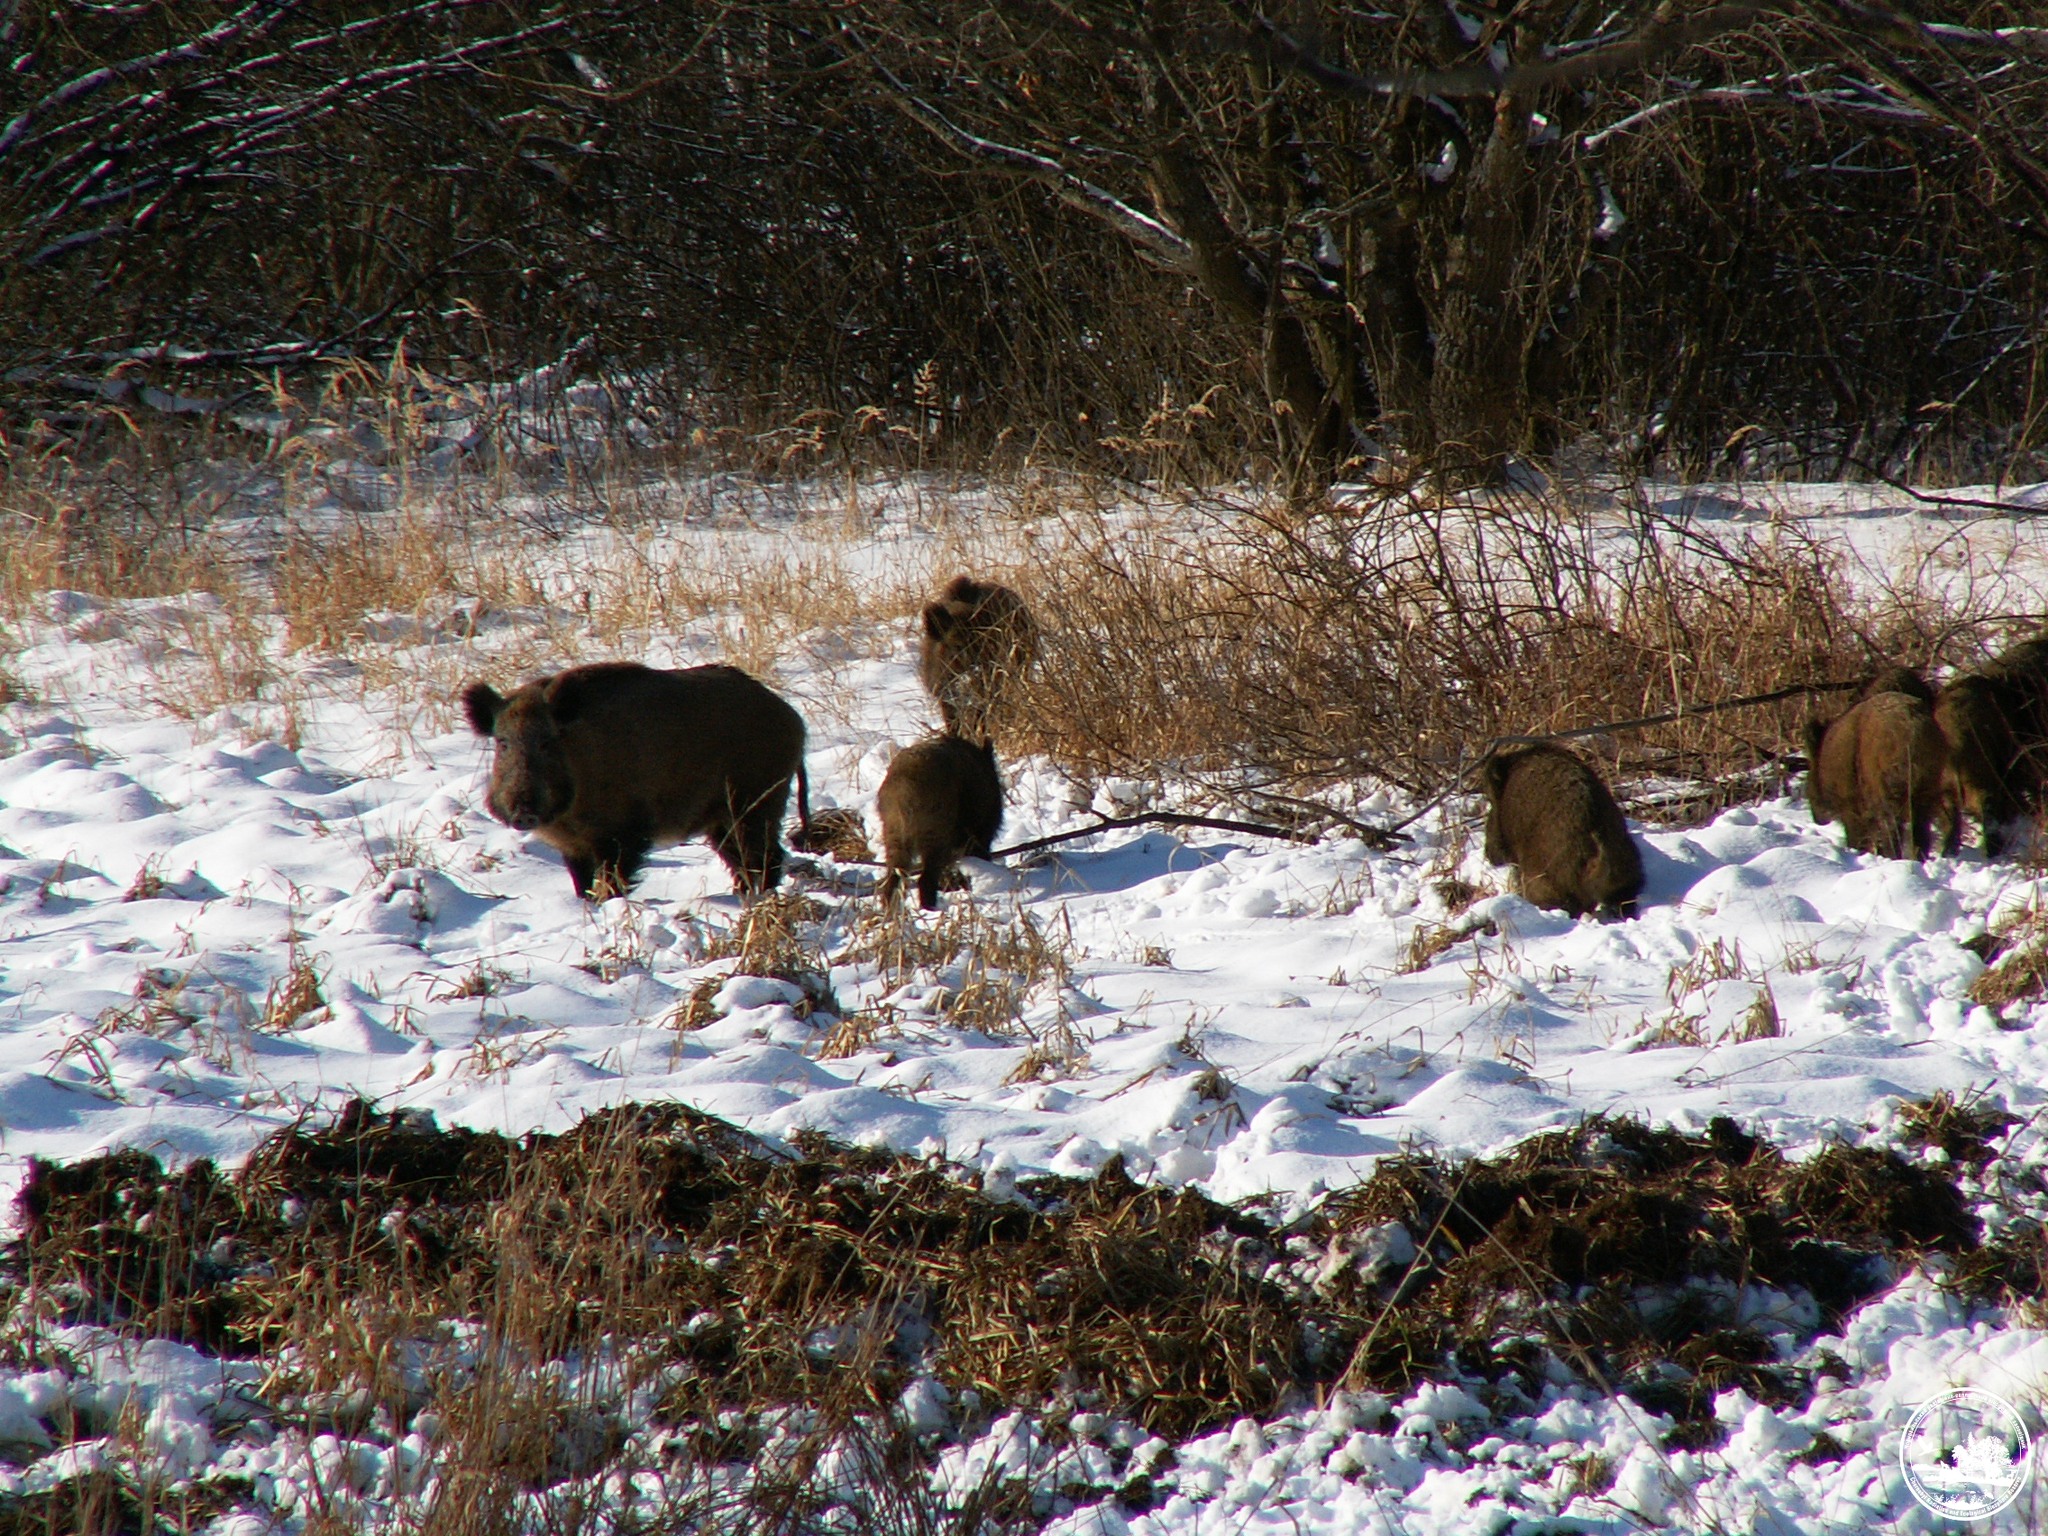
{"x":928,"y":874}
{"x":751,"y":845}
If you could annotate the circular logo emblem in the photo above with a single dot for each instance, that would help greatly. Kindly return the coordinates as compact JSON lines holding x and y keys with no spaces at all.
{"x":1965,"y":1454}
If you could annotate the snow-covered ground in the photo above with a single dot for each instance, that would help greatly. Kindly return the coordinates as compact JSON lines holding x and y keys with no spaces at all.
{"x":163,"y":875}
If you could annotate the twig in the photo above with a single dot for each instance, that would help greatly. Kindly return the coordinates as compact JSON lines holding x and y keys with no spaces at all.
{"x":1683,"y":712}
{"x":1384,"y":836}
{"x":1156,"y":818}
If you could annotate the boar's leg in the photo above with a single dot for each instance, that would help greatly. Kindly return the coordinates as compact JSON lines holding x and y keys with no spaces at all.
{"x":751,"y":844}
{"x":928,"y":873}
{"x":610,"y":868}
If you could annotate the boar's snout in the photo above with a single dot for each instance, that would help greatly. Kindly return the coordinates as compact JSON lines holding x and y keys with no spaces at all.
{"x":530,"y":780}
{"x":521,"y":814}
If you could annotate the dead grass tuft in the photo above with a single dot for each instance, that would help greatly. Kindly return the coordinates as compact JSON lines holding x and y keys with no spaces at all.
{"x":1761,"y":1022}
{"x":1427,"y":942}
{"x":294,"y":995}
{"x":1968,"y":1130}
{"x":838,"y":832}
{"x":411,"y":564}
{"x":149,"y":882}
{"x":2018,"y":960}
{"x":974,"y":966}
{"x":782,"y":936}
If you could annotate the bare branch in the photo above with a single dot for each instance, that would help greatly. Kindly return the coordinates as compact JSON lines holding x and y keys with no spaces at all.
{"x":1836,"y":103}
{"x":1660,"y":37}
{"x":1075,"y":191}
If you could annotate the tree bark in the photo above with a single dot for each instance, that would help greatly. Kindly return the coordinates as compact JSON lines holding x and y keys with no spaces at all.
{"x":1478,"y":388}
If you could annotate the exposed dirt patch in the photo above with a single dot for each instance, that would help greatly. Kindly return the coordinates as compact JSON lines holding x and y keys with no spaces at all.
{"x":1668,"y":1265}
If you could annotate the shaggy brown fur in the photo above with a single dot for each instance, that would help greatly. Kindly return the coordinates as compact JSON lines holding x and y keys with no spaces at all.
{"x":978,"y":643}
{"x":1898,"y":680}
{"x":941,"y":798}
{"x":1996,"y":722}
{"x":1879,"y":768}
{"x":1551,"y":817}
{"x":607,"y":762}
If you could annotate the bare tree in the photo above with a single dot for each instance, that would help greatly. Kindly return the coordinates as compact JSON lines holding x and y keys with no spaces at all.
{"x":1407,"y":212}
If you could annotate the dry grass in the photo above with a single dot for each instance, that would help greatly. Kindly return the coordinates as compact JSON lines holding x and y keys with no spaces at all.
{"x":1234,"y":644}
{"x":1761,"y":1022}
{"x":783,"y":936}
{"x":2018,"y":962}
{"x":412,"y":564}
{"x":511,"y":1301}
{"x":980,"y":968}
{"x":1394,"y":639}
{"x":294,"y":995}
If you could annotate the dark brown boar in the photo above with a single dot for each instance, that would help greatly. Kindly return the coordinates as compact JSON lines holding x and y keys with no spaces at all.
{"x":1879,"y":769}
{"x":1995,"y":719}
{"x":607,"y":762}
{"x":1896,"y":679}
{"x":978,"y":643}
{"x":1550,"y":816}
{"x":941,"y":799}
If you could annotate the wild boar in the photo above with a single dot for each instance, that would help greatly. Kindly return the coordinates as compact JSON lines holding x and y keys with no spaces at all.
{"x":1880,"y":768}
{"x":941,"y":799}
{"x":607,"y":762}
{"x":1995,"y":719}
{"x":978,"y":643}
{"x":1549,"y":814}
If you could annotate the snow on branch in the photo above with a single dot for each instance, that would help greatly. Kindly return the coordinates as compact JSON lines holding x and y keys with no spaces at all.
{"x":1836,"y":102}
{"x":1657,"y":38}
{"x":251,"y":20}
{"x":1075,"y":191}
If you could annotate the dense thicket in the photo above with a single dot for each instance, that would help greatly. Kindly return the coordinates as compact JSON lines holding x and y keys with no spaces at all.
{"x":1813,"y":229}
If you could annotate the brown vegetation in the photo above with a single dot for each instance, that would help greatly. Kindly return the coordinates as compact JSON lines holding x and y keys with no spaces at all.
{"x":734,"y":1281}
{"x":607,"y":762}
{"x":1234,"y":245}
{"x":1391,"y":638}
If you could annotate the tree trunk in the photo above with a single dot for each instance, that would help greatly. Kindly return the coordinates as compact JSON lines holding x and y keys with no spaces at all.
{"x":1309,"y":421}
{"x":1478,"y":390}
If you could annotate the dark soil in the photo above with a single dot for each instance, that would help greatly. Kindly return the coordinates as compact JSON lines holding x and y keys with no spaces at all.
{"x":825,"y":1274}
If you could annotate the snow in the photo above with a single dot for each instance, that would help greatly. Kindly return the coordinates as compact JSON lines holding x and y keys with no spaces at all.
{"x":459,"y":976}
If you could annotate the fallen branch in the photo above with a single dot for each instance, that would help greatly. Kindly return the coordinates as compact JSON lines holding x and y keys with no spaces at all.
{"x":1159,"y":819}
{"x":1382,"y":837}
{"x":1683,"y":712}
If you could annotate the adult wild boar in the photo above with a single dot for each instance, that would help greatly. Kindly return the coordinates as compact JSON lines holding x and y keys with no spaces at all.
{"x":979,"y":640}
{"x":1550,"y":816}
{"x":607,"y":762}
{"x":1880,"y":767}
{"x":1995,"y":719}
{"x":941,"y":799}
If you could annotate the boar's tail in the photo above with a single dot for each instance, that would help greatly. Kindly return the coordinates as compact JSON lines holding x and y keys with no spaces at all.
{"x":803,"y":805}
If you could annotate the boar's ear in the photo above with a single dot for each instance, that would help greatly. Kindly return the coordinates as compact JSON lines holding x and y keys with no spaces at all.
{"x":1815,"y":734}
{"x":568,"y":694}
{"x":939,"y":620}
{"x":481,"y":703}
{"x":1493,"y":773}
